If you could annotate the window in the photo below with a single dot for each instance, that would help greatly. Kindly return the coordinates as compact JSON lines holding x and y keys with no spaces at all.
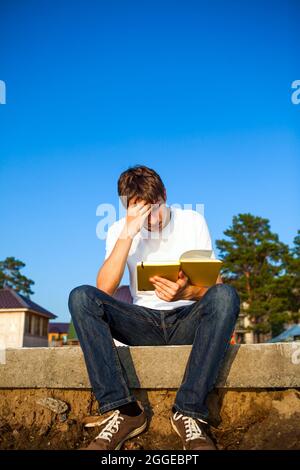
{"x":27,"y":323}
{"x":36,"y":325}
{"x":45,"y":327}
{"x":32,"y":321}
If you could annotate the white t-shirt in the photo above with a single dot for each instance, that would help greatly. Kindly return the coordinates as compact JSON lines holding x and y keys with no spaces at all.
{"x":186,"y":230}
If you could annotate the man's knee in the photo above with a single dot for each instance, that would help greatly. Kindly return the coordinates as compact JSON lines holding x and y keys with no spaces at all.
{"x":226,"y":297}
{"x":78,"y":298}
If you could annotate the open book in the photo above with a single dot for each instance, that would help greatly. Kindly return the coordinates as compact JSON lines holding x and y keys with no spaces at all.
{"x":201,"y":269}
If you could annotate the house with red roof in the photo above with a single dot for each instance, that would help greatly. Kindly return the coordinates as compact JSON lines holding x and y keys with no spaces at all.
{"x":58,"y":333}
{"x":23,"y":323}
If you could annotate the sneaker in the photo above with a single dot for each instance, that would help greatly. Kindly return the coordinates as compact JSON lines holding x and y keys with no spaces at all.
{"x":117,"y":428}
{"x":192,"y":432}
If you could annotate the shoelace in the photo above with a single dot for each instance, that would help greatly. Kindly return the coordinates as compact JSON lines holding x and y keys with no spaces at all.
{"x":191,"y":427}
{"x":113,"y":422}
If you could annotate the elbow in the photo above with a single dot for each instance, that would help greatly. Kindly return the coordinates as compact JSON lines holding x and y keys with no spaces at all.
{"x":108,"y":289}
{"x":107,"y":281}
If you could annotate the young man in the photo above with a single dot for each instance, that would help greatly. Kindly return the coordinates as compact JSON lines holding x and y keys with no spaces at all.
{"x":174,"y":313}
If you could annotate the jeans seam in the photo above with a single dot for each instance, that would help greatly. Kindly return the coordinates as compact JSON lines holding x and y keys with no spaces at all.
{"x":163,"y":325}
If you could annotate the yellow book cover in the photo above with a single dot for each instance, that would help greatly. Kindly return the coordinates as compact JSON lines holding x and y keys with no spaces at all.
{"x":201,"y":269}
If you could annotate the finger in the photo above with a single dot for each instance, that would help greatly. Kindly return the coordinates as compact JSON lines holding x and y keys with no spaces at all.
{"x":134,"y":202}
{"x":162,"y":295}
{"x":144,"y":208}
{"x":164,"y":288}
{"x":138,"y":205}
{"x":145,"y":215}
{"x":182,"y":279}
{"x":164,"y":281}
{"x":183,"y":275}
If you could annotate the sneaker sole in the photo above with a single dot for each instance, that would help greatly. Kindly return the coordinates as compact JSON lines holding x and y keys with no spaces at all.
{"x":133,"y":433}
{"x":177,"y":432}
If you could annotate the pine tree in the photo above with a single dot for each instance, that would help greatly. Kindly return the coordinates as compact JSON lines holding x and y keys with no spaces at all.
{"x":256,"y":263}
{"x":10,"y":276}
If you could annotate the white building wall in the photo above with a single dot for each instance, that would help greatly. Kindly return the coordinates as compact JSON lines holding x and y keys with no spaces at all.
{"x":11,"y":329}
{"x":249,"y":337}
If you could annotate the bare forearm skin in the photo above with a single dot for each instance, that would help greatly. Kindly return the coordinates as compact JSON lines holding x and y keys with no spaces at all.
{"x":111,"y":272}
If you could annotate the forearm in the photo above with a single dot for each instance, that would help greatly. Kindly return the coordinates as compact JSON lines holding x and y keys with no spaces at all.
{"x":112,"y":270}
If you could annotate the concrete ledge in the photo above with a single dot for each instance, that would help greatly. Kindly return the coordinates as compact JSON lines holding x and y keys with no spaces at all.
{"x":154,"y":367}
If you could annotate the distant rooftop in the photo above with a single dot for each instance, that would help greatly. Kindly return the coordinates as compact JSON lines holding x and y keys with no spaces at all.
{"x":56,"y":327}
{"x":287,"y":335}
{"x":9,"y":298}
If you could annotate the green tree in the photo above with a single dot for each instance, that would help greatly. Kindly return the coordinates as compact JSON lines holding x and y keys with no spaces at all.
{"x":255,"y":262}
{"x":10,"y":276}
{"x":293,"y":273}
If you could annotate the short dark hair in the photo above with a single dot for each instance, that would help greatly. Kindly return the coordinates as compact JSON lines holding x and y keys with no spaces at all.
{"x":141,"y":182}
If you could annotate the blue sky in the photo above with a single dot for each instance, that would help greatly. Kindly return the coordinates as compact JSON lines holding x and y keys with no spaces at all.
{"x":200,"y":91}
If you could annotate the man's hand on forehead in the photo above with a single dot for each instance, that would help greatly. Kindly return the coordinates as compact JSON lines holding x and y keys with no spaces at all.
{"x":137,"y":202}
{"x":137,"y":212}
{"x":141,"y":202}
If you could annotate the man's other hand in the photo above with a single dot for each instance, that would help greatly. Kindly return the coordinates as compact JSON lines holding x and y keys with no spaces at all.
{"x":179,"y":290}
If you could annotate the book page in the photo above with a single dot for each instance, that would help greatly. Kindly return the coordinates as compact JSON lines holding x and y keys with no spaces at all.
{"x":196,"y":254}
{"x":201,"y":272}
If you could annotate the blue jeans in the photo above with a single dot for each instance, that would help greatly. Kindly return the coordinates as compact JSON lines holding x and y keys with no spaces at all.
{"x":207,"y":324}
